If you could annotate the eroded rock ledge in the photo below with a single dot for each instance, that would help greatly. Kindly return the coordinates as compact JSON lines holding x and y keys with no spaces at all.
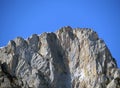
{"x":68,"y":58}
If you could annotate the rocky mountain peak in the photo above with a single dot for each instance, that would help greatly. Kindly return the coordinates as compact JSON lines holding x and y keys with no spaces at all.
{"x":68,"y":58}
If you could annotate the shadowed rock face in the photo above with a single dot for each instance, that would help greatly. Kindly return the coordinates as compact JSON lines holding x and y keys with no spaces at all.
{"x":68,"y":58}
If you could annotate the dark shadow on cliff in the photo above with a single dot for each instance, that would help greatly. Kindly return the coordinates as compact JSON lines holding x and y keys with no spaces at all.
{"x":60,"y":63}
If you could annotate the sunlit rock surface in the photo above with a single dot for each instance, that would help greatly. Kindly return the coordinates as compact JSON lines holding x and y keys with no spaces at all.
{"x":68,"y":58}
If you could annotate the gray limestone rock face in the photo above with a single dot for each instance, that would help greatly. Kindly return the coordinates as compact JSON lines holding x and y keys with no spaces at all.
{"x":68,"y":58}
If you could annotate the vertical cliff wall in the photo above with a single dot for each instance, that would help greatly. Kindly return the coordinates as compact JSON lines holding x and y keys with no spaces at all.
{"x":68,"y":58}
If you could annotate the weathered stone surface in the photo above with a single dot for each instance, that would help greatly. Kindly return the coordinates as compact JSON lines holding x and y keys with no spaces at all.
{"x":115,"y":83}
{"x":68,"y":58}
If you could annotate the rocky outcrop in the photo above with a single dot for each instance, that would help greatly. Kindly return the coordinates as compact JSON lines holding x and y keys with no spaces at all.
{"x":68,"y":58}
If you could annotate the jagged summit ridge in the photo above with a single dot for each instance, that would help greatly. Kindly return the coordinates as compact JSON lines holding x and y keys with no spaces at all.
{"x":68,"y":58}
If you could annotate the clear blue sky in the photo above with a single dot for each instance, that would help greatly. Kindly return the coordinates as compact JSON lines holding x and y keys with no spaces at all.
{"x":26,"y":17}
